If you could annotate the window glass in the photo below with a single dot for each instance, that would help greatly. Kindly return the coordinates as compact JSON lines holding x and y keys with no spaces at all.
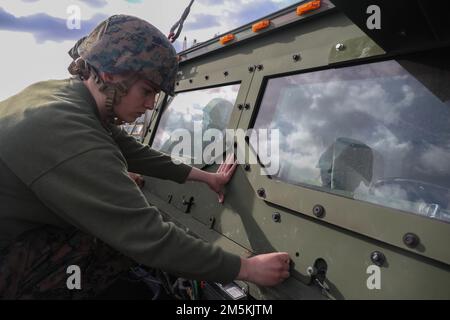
{"x":378,"y":132}
{"x":202,"y":109}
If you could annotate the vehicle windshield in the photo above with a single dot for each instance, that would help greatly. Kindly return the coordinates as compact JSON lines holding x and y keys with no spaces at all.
{"x":377,"y":132}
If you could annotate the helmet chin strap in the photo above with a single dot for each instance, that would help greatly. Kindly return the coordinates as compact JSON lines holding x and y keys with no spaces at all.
{"x":113,"y":91}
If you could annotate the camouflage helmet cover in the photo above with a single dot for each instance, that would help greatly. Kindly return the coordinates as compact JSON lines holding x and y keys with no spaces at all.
{"x":123,"y":44}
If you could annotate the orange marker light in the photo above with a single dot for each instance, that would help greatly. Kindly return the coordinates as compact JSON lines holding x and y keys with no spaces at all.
{"x":227,"y":38}
{"x":260,"y":25}
{"x":310,"y":6}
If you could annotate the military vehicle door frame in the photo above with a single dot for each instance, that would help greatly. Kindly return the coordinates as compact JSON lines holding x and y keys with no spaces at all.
{"x":301,"y":48}
{"x":362,"y":217}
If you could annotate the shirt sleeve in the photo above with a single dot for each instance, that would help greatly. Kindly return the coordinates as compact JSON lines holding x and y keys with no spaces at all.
{"x":144,"y":160}
{"x":93,"y":192}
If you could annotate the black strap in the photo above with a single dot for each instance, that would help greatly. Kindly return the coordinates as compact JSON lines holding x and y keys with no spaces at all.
{"x":179,"y":24}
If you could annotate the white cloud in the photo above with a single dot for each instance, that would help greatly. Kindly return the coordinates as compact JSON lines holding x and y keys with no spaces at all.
{"x":27,"y":62}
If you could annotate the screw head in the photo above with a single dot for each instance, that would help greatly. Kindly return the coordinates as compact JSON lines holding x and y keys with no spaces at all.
{"x":260,"y":67}
{"x":247,"y":106}
{"x":225,"y":73}
{"x":310,"y":271}
{"x":296,"y":57}
{"x":251,"y":69}
{"x":377,"y":258}
{"x":190,"y":80}
{"x":411,"y":240}
{"x":177,"y":83}
{"x":319,"y":211}
{"x":276,"y":217}
{"x":247,"y":167}
{"x":261,"y":192}
{"x":240,"y":106}
{"x":206,"y":77}
{"x":340,"y":47}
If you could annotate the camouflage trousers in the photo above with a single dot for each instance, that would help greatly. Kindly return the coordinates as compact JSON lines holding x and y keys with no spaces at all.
{"x":36,"y":265}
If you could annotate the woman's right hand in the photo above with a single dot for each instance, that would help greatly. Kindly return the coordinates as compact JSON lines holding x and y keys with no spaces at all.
{"x":268,"y":269}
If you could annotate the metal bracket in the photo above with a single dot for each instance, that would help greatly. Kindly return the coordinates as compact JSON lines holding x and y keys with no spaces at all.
{"x":212,"y":220}
{"x":188,"y":204}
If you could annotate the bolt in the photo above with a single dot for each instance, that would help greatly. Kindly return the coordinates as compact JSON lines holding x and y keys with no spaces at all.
{"x":244,"y":289}
{"x":240,"y":106}
{"x":296,"y":57}
{"x":310,"y":271}
{"x":340,"y":47}
{"x":251,"y":69}
{"x":261,"y":192}
{"x":319,"y":211}
{"x":411,"y":240}
{"x":247,"y":106}
{"x":226,"y":73}
{"x":260,"y":67}
{"x":212,"y":220}
{"x":377,"y":258}
{"x":276,"y":217}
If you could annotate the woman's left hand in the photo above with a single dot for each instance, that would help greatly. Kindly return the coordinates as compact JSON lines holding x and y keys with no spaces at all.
{"x":218,"y":180}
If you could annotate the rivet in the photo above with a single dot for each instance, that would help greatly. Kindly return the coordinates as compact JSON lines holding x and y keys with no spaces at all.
{"x":276,"y":217}
{"x":319,"y":211}
{"x":261,"y":192}
{"x":340,"y":47}
{"x":377,"y":258}
{"x":411,"y":240}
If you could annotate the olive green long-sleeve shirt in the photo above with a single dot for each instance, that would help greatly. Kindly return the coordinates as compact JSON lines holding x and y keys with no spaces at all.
{"x":60,"y":166}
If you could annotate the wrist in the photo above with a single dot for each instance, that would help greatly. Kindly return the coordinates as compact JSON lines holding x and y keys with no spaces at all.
{"x":244,"y":270}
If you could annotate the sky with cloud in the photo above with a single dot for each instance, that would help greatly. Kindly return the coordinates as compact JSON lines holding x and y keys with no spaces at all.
{"x":35,"y":35}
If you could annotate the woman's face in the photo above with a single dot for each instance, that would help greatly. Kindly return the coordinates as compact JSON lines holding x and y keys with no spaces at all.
{"x":141,"y":97}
